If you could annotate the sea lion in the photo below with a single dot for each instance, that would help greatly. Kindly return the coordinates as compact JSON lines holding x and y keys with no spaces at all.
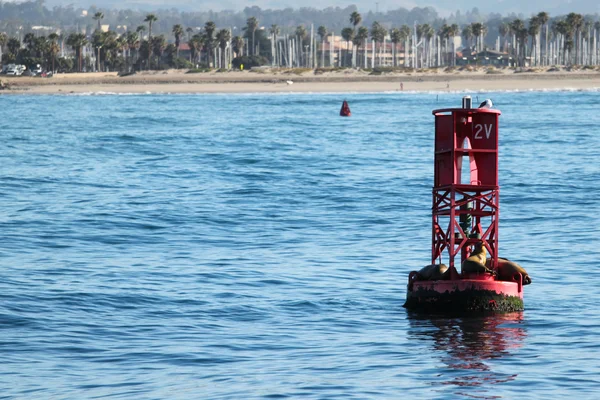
{"x":476,"y":261}
{"x":507,"y":270}
{"x":433,"y":272}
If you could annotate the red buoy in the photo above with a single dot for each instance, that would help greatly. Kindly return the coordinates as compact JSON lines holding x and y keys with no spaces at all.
{"x":345,"y":111}
{"x":465,"y":222}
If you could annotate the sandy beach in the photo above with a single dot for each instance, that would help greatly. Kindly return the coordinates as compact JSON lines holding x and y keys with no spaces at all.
{"x":303,"y":81}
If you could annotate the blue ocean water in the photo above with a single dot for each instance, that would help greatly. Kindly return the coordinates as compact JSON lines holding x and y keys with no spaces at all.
{"x":258,"y":246}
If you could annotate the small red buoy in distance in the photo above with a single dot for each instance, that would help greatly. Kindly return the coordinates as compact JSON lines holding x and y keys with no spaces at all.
{"x":345,"y":111}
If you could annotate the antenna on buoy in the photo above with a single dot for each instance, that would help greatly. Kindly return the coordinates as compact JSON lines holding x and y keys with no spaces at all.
{"x":345,"y":111}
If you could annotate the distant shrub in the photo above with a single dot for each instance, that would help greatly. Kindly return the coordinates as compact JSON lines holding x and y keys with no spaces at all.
{"x":180,"y":63}
{"x":198,"y":70}
{"x":296,"y":71}
{"x":492,"y":71}
{"x":322,"y":70}
{"x":249,"y":62}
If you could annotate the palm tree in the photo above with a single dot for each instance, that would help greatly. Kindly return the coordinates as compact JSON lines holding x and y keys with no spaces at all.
{"x":360,"y":37}
{"x":378,"y":33}
{"x":223,"y":37}
{"x":576,"y":21}
{"x":426,"y":32}
{"x":596,"y":30}
{"x":543,"y":18}
{"x":196,"y":42}
{"x":54,"y":47}
{"x":478,"y":30}
{"x":77,"y":41}
{"x":150,"y":18}
{"x":209,"y":32}
{"x":3,"y":41}
{"x":274,"y":31}
{"x":347,"y":35}
{"x":189,"y":32}
{"x":14,"y":45}
{"x":158,"y":44}
{"x":29,"y":40}
{"x":467,"y":34}
{"x":534,"y":29}
{"x":453,"y":31}
{"x":322,"y":32}
{"x":396,"y":37}
{"x":301,"y":35}
{"x":518,"y":29}
{"x":443,"y":33}
{"x":98,"y":17}
{"x":133,"y":42}
{"x":178,"y":33}
{"x":355,"y":19}
{"x":251,"y":26}
{"x":140,"y":29}
{"x":404,"y":35}
{"x":238,"y":45}
{"x":566,"y":30}
{"x":503,"y":30}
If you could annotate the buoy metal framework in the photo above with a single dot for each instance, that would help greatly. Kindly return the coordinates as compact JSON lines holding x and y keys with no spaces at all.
{"x":465,"y":212}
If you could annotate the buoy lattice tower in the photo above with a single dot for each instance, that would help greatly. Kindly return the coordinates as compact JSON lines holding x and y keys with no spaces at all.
{"x":466,"y":193}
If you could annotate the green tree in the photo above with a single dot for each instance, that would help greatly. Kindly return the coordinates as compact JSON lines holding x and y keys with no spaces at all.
{"x":395,"y":37}
{"x":355,"y":19}
{"x":478,"y":30}
{"x":209,"y":39}
{"x":251,"y":26}
{"x":158,"y":44}
{"x":150,"y":19}
{"x":178,"y":33}
{"x":543,"y":18}
{"x":467,"y":34}
{"x":378,"y":33}
{"x":98,"y":17}
{"x":361,"y":35}
{"x":322,"y":32}
{"x":13,"y":45}
{"x":140,"y":31}
{"x":517,"y":28}
{"x":76,"y":41}
{"x":196,"y":43}
{"x":223,"y":38}
{"x":575,"y":22}
{"x":347,"y":35}
{"x":133,"y":43}
{"x":54,"y":48}
{"x":238,"y":45}
{"x":533,"y":31}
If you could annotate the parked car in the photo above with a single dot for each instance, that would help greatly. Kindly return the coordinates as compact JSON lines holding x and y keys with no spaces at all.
{"x":15,"y":70}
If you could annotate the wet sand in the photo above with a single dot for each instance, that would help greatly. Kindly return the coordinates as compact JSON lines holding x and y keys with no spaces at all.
{"x":278,"y":82}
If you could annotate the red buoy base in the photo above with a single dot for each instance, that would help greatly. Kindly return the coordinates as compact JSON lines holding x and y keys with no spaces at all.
{"x":471,"y":293}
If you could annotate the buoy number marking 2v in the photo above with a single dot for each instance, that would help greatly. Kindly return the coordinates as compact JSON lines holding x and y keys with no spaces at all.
{"x":483,"y":127}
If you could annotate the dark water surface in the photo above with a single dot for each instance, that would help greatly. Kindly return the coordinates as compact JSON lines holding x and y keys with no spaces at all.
{"x":258,"y":246}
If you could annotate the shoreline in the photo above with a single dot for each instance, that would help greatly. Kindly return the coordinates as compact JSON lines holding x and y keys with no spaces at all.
{"x":346,"y":81}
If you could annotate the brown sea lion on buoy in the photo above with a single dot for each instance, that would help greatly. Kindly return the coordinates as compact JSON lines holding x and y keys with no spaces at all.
{"x":476,"y":261}
{"x":507,"y":270}
{"x":433,"y":272}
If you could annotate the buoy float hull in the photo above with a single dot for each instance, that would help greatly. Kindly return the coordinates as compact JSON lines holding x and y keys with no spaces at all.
{"x":464,"y":295}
